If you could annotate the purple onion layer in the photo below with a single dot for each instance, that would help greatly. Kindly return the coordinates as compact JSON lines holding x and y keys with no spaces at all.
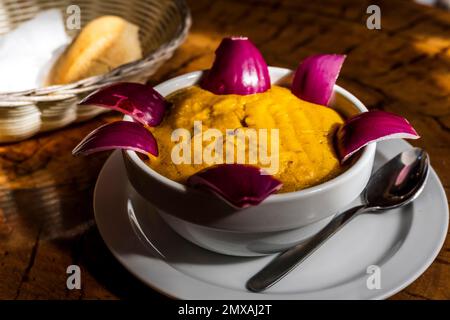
{"x":239,"y":68}
{"x":239,"y":185}
{"x":368,"y":127}
{"x":315,"y":77}
{"x":118,"y":135}
{"x":143,"y":103}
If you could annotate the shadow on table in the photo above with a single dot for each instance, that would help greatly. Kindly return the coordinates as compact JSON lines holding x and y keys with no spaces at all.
{"x":102,"y":265}
{"x":64,"y":215}
{"x":47,"y":194}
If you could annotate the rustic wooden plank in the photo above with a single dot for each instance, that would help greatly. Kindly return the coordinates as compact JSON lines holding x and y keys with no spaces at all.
{"x":404,"y":68}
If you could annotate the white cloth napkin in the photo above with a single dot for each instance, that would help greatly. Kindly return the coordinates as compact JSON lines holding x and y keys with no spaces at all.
{"x":27,"y":52}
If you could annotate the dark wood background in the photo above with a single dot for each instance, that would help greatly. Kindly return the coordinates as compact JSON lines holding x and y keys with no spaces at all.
{"x":46,"y":194}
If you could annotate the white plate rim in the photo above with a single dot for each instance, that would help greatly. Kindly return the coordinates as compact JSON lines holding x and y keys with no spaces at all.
{"x":184,"y":286}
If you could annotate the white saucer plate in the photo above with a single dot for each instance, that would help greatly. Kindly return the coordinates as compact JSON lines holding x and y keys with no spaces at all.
{"x":401,"y":244}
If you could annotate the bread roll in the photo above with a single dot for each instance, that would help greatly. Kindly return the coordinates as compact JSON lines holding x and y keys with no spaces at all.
{"x":102,"y":45}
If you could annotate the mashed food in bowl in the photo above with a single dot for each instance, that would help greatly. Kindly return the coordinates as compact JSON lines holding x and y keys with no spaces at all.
{"x":305,"y":154}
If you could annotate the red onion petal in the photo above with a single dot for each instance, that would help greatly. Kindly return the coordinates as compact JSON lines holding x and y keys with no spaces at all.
{"x":368,"y":127}
{"x":239,"y":185}
{"x":315,"y":77}
{"x":118,"y":135}
{"x":143,"y":103}
{"x":239,"y":68}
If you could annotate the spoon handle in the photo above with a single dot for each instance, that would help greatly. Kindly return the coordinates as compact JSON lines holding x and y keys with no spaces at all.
{"x":289,"y":259}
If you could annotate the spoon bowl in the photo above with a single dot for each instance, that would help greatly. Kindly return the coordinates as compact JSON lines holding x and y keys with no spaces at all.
{"x":398,"y":182}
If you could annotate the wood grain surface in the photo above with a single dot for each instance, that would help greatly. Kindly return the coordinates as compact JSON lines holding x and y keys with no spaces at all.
{"x":46,"y":194}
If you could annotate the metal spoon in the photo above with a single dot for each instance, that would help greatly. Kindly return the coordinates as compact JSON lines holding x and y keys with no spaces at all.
{"x":395,"y":184}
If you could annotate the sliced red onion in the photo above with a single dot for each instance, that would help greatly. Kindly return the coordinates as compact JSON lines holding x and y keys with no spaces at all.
{"x":368,"y":127}
{"x":143,"y":103}
{"x":315,"y":77}
{"x":239,"y":185}
{"x":118,"y":135}
{"x":239,"y":68}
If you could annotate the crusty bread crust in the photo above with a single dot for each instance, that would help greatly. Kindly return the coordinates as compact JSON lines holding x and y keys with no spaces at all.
{"x":104,"y":44}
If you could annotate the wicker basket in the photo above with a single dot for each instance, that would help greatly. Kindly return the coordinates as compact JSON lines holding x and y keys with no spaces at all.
{"x":163,"y":25}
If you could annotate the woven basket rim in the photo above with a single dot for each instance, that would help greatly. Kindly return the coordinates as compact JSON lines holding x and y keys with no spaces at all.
{"x":70,"y":90}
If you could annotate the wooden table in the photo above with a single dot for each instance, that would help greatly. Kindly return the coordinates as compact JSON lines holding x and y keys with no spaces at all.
{"x":46,"y":194}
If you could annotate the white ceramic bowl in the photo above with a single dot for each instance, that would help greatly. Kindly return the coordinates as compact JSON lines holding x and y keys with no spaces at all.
{"x":279,"y":222}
